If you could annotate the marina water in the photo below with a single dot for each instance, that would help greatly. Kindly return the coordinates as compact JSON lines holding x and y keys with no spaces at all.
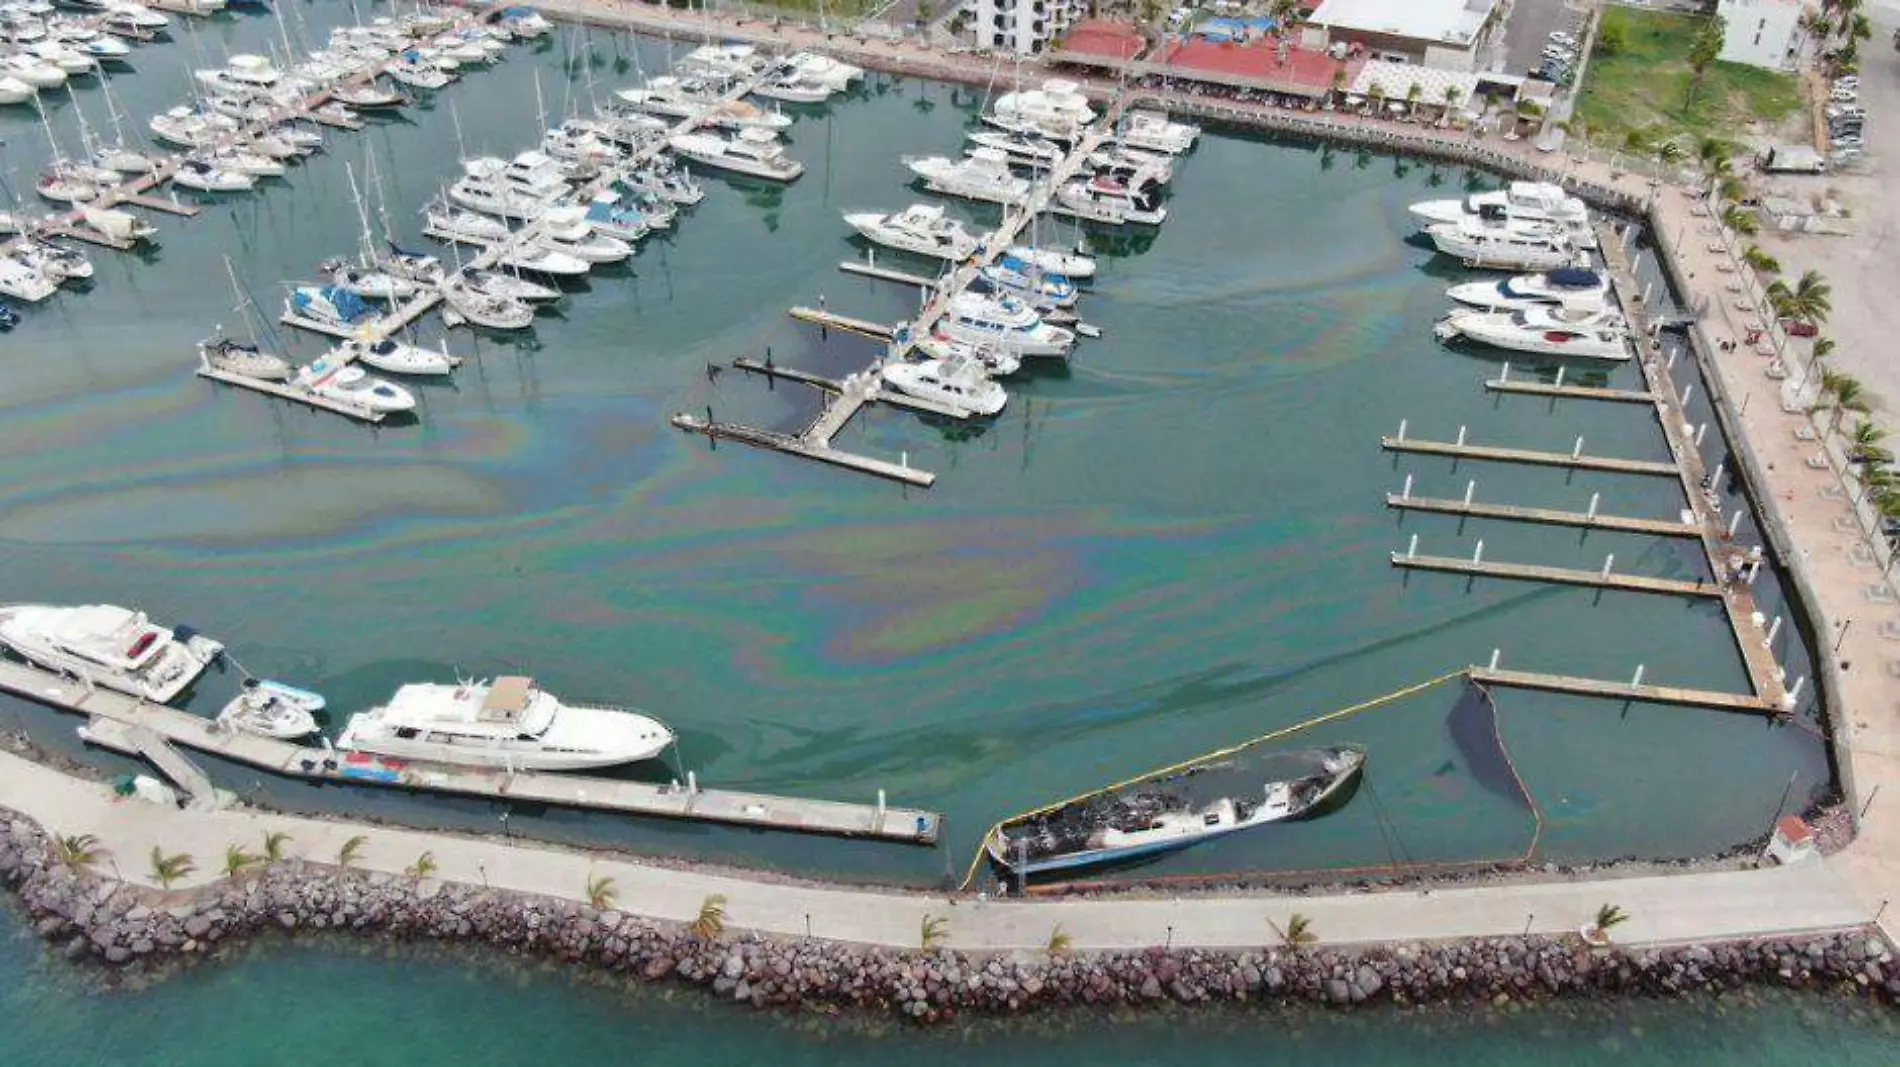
{"x":1175,"y":546}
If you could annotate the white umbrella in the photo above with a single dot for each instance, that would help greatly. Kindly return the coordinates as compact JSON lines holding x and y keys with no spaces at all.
{"x":1396,"y":105}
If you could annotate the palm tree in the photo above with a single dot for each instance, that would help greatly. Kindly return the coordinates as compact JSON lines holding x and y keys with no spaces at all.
{"x":1640,"y":140}
{"x":1411,"y":98}
{"x":1849,"y":395}
{"x":1704,"y":49}
{"x":351,"y":851}
{"x":601,"y":893}
{"x":274,"y":846}
{"x":78,"y":851}
{"x":1811,"y":299}
{"x":1760,"y":261}
{"x":712,"y":917}
{"x":1453,"y":97}
{"x":237,"y":861}
{"x":1298,"y":932}
{"x":169,"y":869}
{"x":1607,"y":917}
{"x":933,"y":930}
{"x":1668,"y":154}
{"x":1715,"y":154}
{"x":424,"y":866}
{"x":1732,"y":189}
{"x":1339,"y":81}
{"x":1060,"y":943}
{"x":1742,"y":222}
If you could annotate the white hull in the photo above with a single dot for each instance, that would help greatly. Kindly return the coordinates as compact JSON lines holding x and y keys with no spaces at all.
{"x":163,"y":677}
{"x":1067,"y":264}
{"x":1501,"y":254}
{"x":876,"y":228}
{"x":1500,"y":330}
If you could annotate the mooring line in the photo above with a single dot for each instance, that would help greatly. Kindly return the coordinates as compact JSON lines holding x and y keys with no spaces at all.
{"x":982,"y":844}
{"x":1497,"y":731}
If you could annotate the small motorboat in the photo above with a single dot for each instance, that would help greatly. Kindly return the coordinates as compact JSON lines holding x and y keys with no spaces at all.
{"x":272,"y":709}
{"x":395,"y":357}
{"x":233,"y":357}
{"x":1172,"y":811}
{"x":353,"y":386}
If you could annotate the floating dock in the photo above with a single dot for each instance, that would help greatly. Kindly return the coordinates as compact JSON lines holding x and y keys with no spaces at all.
{"x":1530,"y":572}
{"x":1651,"y":694}
{"x":286,"y":391}
{"x":1574,"y":460}
{"x":133,"y":721}
{"x":1545,"y":516}
{"x":1570,"y":392}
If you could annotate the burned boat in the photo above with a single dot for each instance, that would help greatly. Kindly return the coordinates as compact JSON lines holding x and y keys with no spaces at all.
{"x":1164,"y":814}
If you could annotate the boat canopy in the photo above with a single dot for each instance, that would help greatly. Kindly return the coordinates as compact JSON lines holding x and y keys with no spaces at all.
{"x":507,"y":699}
{"x":1580,"y":277}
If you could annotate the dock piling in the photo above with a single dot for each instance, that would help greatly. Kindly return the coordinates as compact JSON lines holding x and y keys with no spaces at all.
{"x":1774,"y":628}
{"x":1401,"y":429}
{"x":1495,"y":655}
{"x":1461,"y":437}
{"x":1477,"y":553}
{"x":1406,"y":493}
{"x":1670,"y":364}
{"x":1411,"y":550}
{"x":1471,"y":490}
{"x":1638,"y":679}
{"x":1609,"y":561}
{"x":1699,"y":432}
{"x":1560,"y":377}
{"x":1595,"y":499}
{"x":692,"y":783}
{"x":1794,"y":692}
{"x":1576,"y":450}
{"x":1734,"y":520}
{"x":1504,"y":372}
{"x":1715,"y":480}
{"x":1688,"y":394}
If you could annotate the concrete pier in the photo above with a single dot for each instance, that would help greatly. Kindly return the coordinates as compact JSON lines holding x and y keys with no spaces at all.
{"x":1577,"y":461}
{"x":1546,"y":516}
{"x":1531,"y":572}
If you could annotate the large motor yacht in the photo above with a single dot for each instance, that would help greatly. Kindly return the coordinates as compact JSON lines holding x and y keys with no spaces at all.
{"x":956,"y":381}
{"x":1522,"y":291}
{"x":919,"y":228}
{"x":1005,"y":323}
{"x":1517,"y":202}
{"x":751,"y":151}
{"x":1587,"y":330}
{"x":1107,"y":199}
{"x":509,"y":724}
{"x":1152,"y":131}
{"x":1058,"y":108}
{"x":108,"y":646}
{"x":984,"y":174}
{"x":486,"y":186}
{"x":1506,"y":246}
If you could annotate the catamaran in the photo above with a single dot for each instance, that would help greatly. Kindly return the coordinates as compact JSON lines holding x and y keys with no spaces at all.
{"x":108,"y":646}
{"x":508,"y":724}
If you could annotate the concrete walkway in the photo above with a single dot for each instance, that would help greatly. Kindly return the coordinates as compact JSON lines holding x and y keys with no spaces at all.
{"x":1807,"y":898}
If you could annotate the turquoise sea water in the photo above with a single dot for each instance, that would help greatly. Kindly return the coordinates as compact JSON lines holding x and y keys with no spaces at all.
{"x":405,"y":1008}
{"x":1178,"y":545}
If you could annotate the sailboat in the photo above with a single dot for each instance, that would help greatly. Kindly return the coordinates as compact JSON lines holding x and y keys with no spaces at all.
{"x":231,"y":356}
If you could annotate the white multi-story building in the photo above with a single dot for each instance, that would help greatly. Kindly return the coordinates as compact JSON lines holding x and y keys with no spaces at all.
{"x":1448,"y":34}
{"x":1763,"y":33}
{"x":1024,"y":27}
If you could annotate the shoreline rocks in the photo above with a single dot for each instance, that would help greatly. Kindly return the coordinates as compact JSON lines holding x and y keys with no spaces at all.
{"x":87,"y":917}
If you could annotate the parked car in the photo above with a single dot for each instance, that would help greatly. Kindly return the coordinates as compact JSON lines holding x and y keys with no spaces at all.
{"x":1566,"y":40}
{"x":1799,"y":328}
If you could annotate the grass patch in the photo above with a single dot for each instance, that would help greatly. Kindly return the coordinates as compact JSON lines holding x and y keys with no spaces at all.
{"x":1646,"y":83}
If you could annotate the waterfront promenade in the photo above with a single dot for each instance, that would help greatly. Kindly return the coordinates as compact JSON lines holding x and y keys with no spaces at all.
{"x":1668,"y":909}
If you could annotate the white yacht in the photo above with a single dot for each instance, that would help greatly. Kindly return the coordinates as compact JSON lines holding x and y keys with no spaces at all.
{"x":998,"y":363}
{"x":349,"y":384}
{"x":567,"y":229}
{"x":396,"y":357}
{"x":235,"y":357}
{"x":921,"y":229}
{"x":329,"y":306}
{"x":1154,"y":132}
{"x":252,"y":71}
{"x":611,"y":218}
{"x":208,"y":177}
{"x":462,"y":227}
{"x":15,"y":91}
{"x":674,"y":98}
{"x":508,"y":724}
{"x":982,"y":175}
{"x":470,"y":303}
{"x":956,"y":382}
{"x":1518,"y":202}
{"x":58,"y":264}
{"x":1506,"y":246}
{"x":272,"y":709}
{"x":724,"y":60}
{"x":1068,"y":264}
{"x":788,"y":85}
{"x":1019,"y":277}
{"x":189,"y":127}
{"x":1059,"y":107}
{"x":485,"y":186}
{"x":1586,"y":330}
{"x":1529,"y":290}
{"x":32,"y":71}
{"x":1131,"y":165}
{"x":1106,"y":199}
{"x":1004,"y":322}
{"x":1027,"y":148}
{"x":25,"y":282}
{"x":753,"y":152}
{"x":108,"y":646}
{"x":835,"y":73}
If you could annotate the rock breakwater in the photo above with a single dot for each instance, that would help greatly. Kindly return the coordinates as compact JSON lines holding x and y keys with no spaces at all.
{"x":93,"y":918}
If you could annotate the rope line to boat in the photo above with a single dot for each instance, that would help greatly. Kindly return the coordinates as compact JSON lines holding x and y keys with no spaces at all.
{"x":1497,"y":731}
{"x":982,"y":845}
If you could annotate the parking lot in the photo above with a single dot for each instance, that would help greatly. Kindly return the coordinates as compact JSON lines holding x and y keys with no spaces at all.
{"x":1527,"y":32}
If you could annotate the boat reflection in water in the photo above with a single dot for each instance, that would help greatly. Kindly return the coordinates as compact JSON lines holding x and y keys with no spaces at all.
{"x":1179,"y":808}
